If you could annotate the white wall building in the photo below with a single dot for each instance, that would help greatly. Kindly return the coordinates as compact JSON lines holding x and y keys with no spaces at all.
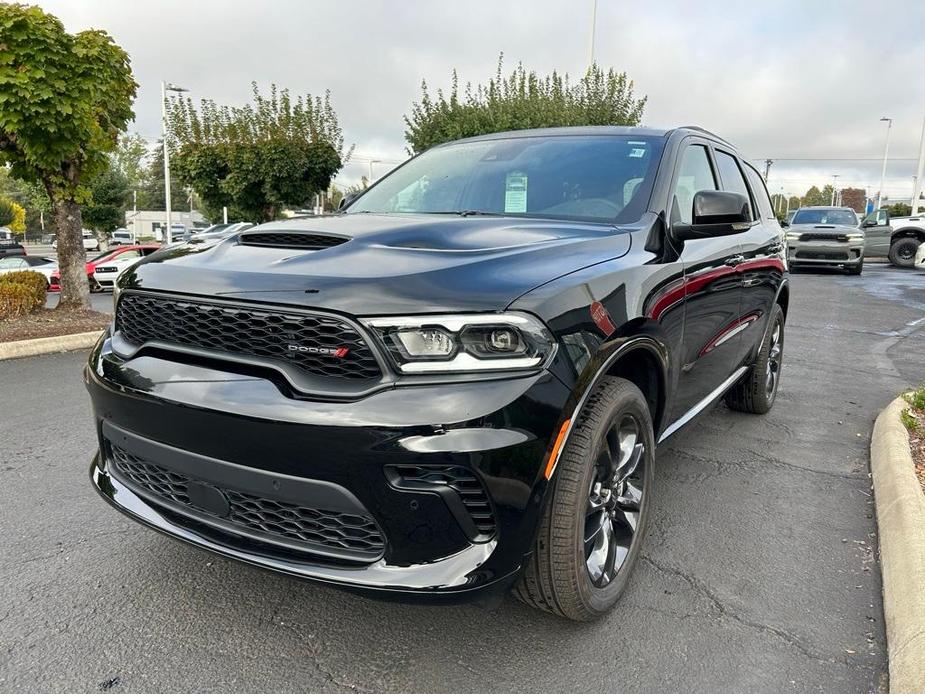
{"x":152,"y":223}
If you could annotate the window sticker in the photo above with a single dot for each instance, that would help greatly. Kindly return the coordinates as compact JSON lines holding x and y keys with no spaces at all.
{"x":515,"y":192}
{"x":637,"y":152}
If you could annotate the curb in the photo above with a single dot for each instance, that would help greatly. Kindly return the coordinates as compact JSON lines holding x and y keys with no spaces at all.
{"x":901,"y":522}
{"x":47,"y":345}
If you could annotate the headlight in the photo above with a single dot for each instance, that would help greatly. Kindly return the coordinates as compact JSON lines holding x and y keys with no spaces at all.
{"x":454,"y":343}
{"x":856,"y":236}
{"x":793,"y":236}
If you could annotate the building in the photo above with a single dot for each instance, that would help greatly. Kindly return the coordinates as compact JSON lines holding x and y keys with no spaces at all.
{"x":150,"y":224}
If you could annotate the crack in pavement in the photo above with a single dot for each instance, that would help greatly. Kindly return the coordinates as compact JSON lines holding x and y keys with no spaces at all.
{"x":790,"y":639}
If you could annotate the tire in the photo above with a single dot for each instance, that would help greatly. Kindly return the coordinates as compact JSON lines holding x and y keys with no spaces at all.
{"x":902,"y":251}
{"x":558,"y":575}
{"x":756,"y":391}
{"x":856,"y":269}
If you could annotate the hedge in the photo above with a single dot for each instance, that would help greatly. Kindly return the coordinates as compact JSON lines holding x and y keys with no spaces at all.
{"x":21,"y":293}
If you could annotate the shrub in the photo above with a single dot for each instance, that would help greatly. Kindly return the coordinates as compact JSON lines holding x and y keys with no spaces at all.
{"x":21,"y":293}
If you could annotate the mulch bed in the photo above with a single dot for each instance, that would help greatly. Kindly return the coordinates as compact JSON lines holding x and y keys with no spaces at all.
{"x":52,"y":323}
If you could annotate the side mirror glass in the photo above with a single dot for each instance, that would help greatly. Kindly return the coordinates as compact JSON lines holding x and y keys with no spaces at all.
{"x":715,"y":213}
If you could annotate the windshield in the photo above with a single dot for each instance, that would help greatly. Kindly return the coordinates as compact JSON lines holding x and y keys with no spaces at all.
{"x":844,"y":217}
{"x":603,"y":178}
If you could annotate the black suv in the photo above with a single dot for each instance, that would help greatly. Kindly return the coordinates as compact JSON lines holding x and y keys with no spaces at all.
{"x":456,"y":385}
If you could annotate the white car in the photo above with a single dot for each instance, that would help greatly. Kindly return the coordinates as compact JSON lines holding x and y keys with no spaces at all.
{"x":91,"y":243}
{"x":16,"y":263}
{"x":106,"y":274}
{"x":122,"y":237}
{"x":920,"y":258}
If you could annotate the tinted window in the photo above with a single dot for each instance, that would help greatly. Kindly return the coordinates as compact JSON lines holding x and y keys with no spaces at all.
{"x":760,"y":191}
{"x":600,"y":178}
{"x":695,"y":174}
{"x":824,"y":216}
{"x":731,"y":175}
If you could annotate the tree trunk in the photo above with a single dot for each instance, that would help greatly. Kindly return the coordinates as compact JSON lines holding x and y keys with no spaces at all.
{"x":72,"y":258}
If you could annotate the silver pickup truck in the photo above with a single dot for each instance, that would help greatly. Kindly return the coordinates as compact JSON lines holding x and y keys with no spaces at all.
{"x":898,"y":238}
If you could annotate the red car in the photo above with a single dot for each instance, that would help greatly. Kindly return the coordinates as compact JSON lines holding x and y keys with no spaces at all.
{"x":105,"y":257}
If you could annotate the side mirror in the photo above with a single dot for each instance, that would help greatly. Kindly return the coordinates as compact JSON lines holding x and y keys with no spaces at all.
{"x":868,"y":223}
{"x":347,"y":199}
{"x":715,"y":213}
{"x":784,"y":223}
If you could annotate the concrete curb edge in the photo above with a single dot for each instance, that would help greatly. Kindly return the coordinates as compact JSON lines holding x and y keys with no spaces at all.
{"x":901,"y":522}
{"x":47,"y":345}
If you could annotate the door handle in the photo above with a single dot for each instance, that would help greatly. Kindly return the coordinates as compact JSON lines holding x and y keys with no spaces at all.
{"x":735,"y":260}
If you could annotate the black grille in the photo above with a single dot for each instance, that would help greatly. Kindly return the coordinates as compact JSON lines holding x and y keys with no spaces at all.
{"x":814,"y":255}
{"x":309,"y":342}
{"x":287,"y":239}
{"x":459,"y":479}
{"x":824,"y":237}
{"x":269,"y":518}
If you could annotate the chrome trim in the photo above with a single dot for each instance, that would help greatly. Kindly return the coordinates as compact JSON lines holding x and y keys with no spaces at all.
{"x":703,"y":404}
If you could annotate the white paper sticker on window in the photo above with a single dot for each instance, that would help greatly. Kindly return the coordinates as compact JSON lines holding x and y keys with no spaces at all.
{"x":637,"y":152}
{"x":515,"y":193}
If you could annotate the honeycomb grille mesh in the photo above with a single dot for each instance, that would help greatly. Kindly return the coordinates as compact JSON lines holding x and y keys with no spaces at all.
{"x":278,"y":239}
{"x":276,"y":519}
{"x":307,"y":341}
{"x":460,"y":480}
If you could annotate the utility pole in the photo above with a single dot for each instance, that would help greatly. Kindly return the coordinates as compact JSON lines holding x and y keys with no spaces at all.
{"x":886,"y":155}
{"x":834,"y":189}
{"x":767,"y":168}
{"x":593,"y":32}
{"x":917,"y":186}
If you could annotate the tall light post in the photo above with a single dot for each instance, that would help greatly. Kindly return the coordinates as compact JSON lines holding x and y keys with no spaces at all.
{"x":593,"y":32}
{"x":371,"y":162}
{"x":834,"y":189}
{"x":167,"y":87}
{"x":920,"y":170}
{"x":886,"y":155}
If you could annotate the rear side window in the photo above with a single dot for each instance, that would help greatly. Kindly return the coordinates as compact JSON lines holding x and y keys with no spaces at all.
{"x":694,"y":175}
{"x":760,"y":191}
{"x":731,"y":175}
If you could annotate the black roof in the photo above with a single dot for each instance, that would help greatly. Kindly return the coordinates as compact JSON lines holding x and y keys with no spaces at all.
{"x":591,"y":130}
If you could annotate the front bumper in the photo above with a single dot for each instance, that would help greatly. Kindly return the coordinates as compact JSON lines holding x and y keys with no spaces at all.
{"x":242,"y":436}
{"x":831,"y":253}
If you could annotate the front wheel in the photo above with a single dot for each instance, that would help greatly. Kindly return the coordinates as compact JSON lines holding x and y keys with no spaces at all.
{"x":756,"y":391}
{"x":902,"y":251}
{"x":856,"y":269}
{"x":596,"y":509}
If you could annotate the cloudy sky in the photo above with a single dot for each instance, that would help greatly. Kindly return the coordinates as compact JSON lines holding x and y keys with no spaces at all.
{"x":803,"y":82}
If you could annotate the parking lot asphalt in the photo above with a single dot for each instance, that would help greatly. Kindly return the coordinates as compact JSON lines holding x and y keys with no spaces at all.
{"x":759,"y":573}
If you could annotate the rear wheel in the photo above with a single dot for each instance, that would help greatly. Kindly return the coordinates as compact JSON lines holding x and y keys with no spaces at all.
{"x":597,"y":507}
{"x":902,"y":251}
{"x":757,"y":389}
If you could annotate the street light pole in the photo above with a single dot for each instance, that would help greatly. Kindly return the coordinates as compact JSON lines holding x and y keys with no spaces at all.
{"x":371,"y":162}
{"x":834,"y":189}
{"x":593,"y":32}
{"x":917,"y":187}
{"x":165,"y":87}
{"x":886,"y":154}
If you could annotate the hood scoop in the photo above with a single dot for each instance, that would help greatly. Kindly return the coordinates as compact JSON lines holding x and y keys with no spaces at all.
{"x":824,"y":226}
{"x":301,"y":240}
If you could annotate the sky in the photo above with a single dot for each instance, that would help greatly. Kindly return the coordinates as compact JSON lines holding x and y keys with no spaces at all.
{"x":804,"y":83}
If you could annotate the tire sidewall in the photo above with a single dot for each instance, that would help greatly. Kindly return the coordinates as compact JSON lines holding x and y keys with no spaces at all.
{"x":629,"y":400}
{"x":894,"y":251}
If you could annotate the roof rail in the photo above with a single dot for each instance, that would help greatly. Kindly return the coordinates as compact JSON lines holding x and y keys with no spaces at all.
{"x":705,"y":132}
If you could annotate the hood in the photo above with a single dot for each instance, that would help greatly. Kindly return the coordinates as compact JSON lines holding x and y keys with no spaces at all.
{"x":385,"y":264}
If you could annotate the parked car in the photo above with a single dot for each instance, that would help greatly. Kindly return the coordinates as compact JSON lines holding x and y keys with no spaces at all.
{"x":90,"y":241}
{"x":104,"y":257}
{"x":10,"y":248}
{"x":122,"y":237}
{"x":920,"y":258}
{"x":827,"y":236}
{"x":457,"y":384}
{"x":106,"y":272}
{"x":898,"y":238}
{"x":17,"y":263}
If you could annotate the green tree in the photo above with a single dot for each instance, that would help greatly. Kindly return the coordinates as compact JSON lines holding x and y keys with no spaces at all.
{"x":32,"y":197}
{"x":7,"y":212}
{"x":258,"y":158}
{"x":816,"y":197}
{"x":899,"y":209}
{"x":521,"y":100}
{"x":109,"y":191}
{"x":64,"y":99}
{"x":151,"y":188}
{"x":130,"y":157}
